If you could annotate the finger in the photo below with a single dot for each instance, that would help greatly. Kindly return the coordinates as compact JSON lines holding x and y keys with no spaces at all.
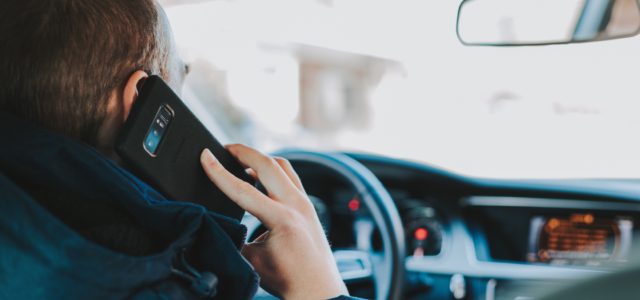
{"x":269,"y":172}
{"x":241,"y":192}
{"x":252,"y":173}
{"x":291,"y":173}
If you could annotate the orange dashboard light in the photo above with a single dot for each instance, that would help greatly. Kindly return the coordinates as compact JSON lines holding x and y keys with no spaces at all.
{"x":553,"y":223}
{"x":421,"y":234}
{"x":588,"y":218}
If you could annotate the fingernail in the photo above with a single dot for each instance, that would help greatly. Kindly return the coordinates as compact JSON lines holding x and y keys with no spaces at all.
{"x":207,"y":157}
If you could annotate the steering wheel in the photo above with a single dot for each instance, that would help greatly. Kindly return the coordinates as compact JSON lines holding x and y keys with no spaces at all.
{"x":385,"y":269}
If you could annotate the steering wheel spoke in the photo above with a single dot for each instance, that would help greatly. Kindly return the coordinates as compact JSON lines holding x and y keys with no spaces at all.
{"x":354,"y":265}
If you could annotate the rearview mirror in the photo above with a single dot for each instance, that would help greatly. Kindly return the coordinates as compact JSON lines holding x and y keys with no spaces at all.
{"x":545,"y":22}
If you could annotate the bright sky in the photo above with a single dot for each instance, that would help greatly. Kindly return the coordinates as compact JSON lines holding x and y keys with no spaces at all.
{"x":547,"y":112}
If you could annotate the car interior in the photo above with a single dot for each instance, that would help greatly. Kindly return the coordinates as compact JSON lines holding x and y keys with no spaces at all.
{"x":424,"y":191}
{"x":474,"y":149}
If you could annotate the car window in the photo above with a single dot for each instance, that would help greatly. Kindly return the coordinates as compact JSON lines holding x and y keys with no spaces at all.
{"x":390,"y":77}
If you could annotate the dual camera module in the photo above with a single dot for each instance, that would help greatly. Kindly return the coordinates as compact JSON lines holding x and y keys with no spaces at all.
{"x":158,"y":129}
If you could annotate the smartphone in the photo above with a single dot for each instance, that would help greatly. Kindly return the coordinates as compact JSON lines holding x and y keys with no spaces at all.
{"x":161,"y":143}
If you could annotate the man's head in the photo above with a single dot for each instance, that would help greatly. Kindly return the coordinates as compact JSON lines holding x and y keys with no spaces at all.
{"x":73,"y":65}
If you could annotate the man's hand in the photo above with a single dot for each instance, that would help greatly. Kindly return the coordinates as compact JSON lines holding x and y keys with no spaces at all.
{"x":293,"y":257}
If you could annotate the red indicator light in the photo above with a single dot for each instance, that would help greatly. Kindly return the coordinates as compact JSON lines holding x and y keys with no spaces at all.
{"x":354,"y":204}
{"x":421,"y":234}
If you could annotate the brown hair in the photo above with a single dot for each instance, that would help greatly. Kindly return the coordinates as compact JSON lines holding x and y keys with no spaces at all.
{"x":61,"y":60}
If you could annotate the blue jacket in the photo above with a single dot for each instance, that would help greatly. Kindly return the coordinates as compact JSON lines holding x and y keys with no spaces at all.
{"x":54,"y":251}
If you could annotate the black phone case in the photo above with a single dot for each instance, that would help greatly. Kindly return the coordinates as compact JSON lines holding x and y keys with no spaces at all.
{"x":176,"y":170}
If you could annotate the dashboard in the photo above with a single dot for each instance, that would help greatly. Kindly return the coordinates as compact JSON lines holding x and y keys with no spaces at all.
{"x":556,"y":232}
{"x":469,"y":238}
{"x":579,"y":239}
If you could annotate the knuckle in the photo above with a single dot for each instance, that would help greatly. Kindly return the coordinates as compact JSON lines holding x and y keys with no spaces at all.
{"x":274,"y":162}
{"x":215,"y":166}
{"x":290,"y":218}
{"x":234,"y":148}
{"x":283,"y":161}
{"x":290,"y":225}
{"x":287,"y":214}
{"x":307,"y":207}
{"x":269,"y":162}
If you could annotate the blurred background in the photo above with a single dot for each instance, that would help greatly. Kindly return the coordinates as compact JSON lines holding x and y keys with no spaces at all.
{"x":390,"y":77}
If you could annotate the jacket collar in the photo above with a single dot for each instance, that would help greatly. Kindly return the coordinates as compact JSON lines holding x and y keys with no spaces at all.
{"x":54,"y":162}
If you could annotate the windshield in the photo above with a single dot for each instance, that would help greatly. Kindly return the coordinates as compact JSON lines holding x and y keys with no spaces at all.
{"x":390,"y":77}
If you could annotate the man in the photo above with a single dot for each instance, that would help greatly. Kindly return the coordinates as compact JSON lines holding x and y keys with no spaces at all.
{"x":73,"y":224}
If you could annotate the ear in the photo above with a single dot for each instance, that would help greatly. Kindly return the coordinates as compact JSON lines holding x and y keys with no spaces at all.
{"x":131,"y":91}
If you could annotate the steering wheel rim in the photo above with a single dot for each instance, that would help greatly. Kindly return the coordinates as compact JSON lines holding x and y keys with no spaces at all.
{"x":383,"y":212}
